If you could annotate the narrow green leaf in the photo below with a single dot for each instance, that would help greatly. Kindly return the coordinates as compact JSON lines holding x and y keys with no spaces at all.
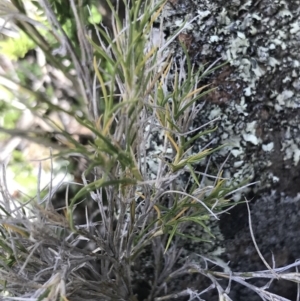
{"x":171,"y":235}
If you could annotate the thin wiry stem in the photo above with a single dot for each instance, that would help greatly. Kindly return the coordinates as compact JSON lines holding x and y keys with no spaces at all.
{"x":255,"y":244}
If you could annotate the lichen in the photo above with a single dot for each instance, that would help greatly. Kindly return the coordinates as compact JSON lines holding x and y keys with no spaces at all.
{"x":260,"y":44}
{"x":257,"y":96}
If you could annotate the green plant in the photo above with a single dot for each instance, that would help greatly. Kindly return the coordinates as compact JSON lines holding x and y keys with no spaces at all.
{"x":140,"y":173}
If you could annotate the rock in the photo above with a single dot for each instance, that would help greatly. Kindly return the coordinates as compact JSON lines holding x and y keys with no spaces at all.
{"x":257,"y":97}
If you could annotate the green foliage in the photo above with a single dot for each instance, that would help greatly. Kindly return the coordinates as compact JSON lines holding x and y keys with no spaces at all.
{"x":62,"y":10}
{"x":9,"y":115}
{"x":117,"y":105}
{"x":95,"y":17}
{"x":15,"y":48}
{"x":24,"y":173}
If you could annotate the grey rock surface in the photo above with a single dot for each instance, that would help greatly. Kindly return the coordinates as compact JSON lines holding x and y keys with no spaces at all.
{"x":275,"y":222}
{"x":257,"y":98}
